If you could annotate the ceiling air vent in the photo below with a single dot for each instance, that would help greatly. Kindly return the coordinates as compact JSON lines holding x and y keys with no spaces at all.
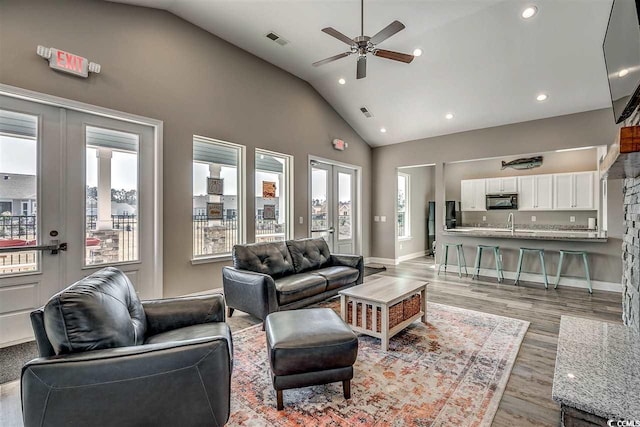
{"x":276,"y":38}
{"x":366,"y":112}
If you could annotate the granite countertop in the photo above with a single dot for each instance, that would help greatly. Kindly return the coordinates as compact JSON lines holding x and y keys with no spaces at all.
{"x":598,"y":368}
{"x":529,"y":234}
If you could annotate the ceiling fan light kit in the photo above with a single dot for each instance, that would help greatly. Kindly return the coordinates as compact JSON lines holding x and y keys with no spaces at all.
{"x":363,"y":45}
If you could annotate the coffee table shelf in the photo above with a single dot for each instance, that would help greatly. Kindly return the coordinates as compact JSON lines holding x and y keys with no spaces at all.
{"x":382,"y":293}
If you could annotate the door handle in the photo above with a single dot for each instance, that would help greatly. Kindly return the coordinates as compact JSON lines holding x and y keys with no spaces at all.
{"x":326,"y":230}
{"x":54,"y":246}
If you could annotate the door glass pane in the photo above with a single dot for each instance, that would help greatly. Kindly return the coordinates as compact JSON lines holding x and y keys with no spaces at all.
{"x":345,"y":206}
{"x":271,"y":197}
{"x":216,"y":197}
{"x":18,"y":191}
{"x":111,"y":227}
{"x":319,"y":205}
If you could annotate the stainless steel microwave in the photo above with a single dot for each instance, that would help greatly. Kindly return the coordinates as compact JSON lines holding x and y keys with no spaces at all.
{"x":502,"y":201}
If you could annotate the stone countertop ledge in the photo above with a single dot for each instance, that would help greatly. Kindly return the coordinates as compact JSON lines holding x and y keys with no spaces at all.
{"x":528,"y":234}
{"x":598,"y":368}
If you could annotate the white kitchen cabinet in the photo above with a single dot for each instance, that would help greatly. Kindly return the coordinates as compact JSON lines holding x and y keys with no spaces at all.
{"x":535,"y":193}
{"x":574,"y":191}
{"x":473,"y":195}
{"x":502,"y":185}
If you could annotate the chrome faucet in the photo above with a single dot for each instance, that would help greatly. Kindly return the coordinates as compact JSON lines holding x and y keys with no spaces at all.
{"x":511,"y":222}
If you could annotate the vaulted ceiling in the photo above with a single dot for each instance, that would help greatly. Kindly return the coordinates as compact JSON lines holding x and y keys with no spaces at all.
{"x":482,"y":62}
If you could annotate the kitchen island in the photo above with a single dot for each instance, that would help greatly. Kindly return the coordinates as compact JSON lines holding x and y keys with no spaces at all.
{"x":529,"y":234}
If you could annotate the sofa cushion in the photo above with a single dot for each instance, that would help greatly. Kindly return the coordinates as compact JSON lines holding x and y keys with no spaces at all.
{"x":308,"y":254}
{"x":97,"y":312}
{"x":299,"y":286}
{"x":338,"y":276}
{"x":267,"y":258}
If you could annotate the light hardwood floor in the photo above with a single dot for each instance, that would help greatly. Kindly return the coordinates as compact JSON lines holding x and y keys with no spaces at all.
{"x":527,"y":398}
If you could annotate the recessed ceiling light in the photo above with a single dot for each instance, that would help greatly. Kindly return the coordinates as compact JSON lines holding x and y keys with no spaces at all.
{"x":529,"y":12}
{"x":570,"y":375}
{"x":383,"y":130}
{"x":342,"y":81}
{"x":449,"y":116}
{"x":417,"y":52}
{"x":542,"y":97}
{"x":623,"y":72}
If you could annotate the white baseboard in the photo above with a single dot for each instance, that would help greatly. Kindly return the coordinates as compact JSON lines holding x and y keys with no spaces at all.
{"x":384,"y":261}
{"x":391,"y":261}
{"x":574,"y":282}
{"x":410,"y":256}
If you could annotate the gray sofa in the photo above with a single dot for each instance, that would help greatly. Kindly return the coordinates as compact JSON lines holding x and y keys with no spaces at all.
{"x":270,"y":277}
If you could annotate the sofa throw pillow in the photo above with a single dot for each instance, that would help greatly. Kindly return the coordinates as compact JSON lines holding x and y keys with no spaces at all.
{"x":267,"y":258}
{"x":308,"y":254}
{"x":97,"y":312}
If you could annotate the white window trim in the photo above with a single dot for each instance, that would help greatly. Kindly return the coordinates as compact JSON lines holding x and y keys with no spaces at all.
{"x":407,"y":209}
{"x":289,"y":199}
{"x":241,"y":198}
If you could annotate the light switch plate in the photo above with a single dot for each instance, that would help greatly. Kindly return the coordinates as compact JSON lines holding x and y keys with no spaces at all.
{"x":484,"y":218}
{"x":376,"y":218}
{"x":572,"y":219}
{"x":533,"y":218}
{"x":301,"y":220}
{"x":383,"y":218}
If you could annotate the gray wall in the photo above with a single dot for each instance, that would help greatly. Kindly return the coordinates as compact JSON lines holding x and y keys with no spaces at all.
{"x":569,"y":161}
{"x":422,"y":190}
{"x":157,"y":65}
{"x":576,"y":130}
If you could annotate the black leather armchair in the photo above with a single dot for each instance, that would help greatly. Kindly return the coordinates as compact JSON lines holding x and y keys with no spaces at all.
{"x":108,"y":359}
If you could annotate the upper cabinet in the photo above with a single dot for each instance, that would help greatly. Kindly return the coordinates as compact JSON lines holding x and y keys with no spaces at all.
{"x":473,"y":195}
{"x":535,"y":193}
{"x":575,"y":191}
{"x":502,"y":185}
{"x":563,"y":191}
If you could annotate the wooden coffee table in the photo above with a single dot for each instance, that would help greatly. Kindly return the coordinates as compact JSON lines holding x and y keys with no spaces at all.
{"x":382,"y":293}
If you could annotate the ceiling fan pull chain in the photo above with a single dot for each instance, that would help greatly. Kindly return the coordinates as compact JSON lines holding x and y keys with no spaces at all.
{"x":362,"y":17}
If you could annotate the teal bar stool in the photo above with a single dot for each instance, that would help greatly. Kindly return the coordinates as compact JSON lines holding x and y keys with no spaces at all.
{"x":540,"y":253}
{"x":496,"y":254}
{"x":586,"y":267}
{"x":460,"y":252}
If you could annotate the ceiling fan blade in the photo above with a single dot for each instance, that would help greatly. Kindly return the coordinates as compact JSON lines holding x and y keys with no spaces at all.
{"x":362,"y":67}
{"x":396,"y":56}
{"x":331,"y":59}
{"x":387,"y":32}
{"x":337,"y":34}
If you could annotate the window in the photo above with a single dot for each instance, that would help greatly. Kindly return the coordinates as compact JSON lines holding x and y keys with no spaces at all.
{"x":272,"y":191}
{"x":111,"y":196}
{"x":218,"y":197}
{"x":404,"y":227}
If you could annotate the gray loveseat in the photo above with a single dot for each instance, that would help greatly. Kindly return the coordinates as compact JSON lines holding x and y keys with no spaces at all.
{"x":270,"y":277}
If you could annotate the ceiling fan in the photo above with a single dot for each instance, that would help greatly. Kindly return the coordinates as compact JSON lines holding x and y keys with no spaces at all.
{"x":362,"y":45}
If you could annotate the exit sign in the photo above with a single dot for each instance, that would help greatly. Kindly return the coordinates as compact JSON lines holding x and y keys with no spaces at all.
{"x":339,"y":144}
{"x":68,"y":62}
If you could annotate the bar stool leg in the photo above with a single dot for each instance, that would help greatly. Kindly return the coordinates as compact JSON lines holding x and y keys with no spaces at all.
{"x":477,"y":266}
{"x":559,"y":270}
{"x":459,"y":266}
{"x":544,"y":270}
{"x":464,"y":260}
{"x":520,"y":256}
{"x":446,"y":257}
{"x":586,"y":268}
{"x":496,"y":253}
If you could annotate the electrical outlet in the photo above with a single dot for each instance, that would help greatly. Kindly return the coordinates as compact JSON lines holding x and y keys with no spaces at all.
{"x":500,"y":258}
{"x":301,"y":220}
{"x":376,"y":218}
{"x":572,"y":219}
{"x":400,"y":245}
{"x":533,"y":218}
{"x":383,"y":218}
{"x":484,"y":218}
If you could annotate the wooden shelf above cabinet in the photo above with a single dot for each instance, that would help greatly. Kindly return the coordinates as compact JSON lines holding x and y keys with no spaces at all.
{"x":623,"y":158}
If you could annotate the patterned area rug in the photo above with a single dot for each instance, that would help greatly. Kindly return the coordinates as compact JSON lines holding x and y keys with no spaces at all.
{"x":450,"y":372}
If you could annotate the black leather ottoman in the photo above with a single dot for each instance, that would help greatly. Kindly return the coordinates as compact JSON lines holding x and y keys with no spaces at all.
{"x":310,"y":347}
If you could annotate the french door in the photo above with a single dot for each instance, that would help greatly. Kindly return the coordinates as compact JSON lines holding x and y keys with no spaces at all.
{"x":76,"y":194}
{"x":334,"y":206}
